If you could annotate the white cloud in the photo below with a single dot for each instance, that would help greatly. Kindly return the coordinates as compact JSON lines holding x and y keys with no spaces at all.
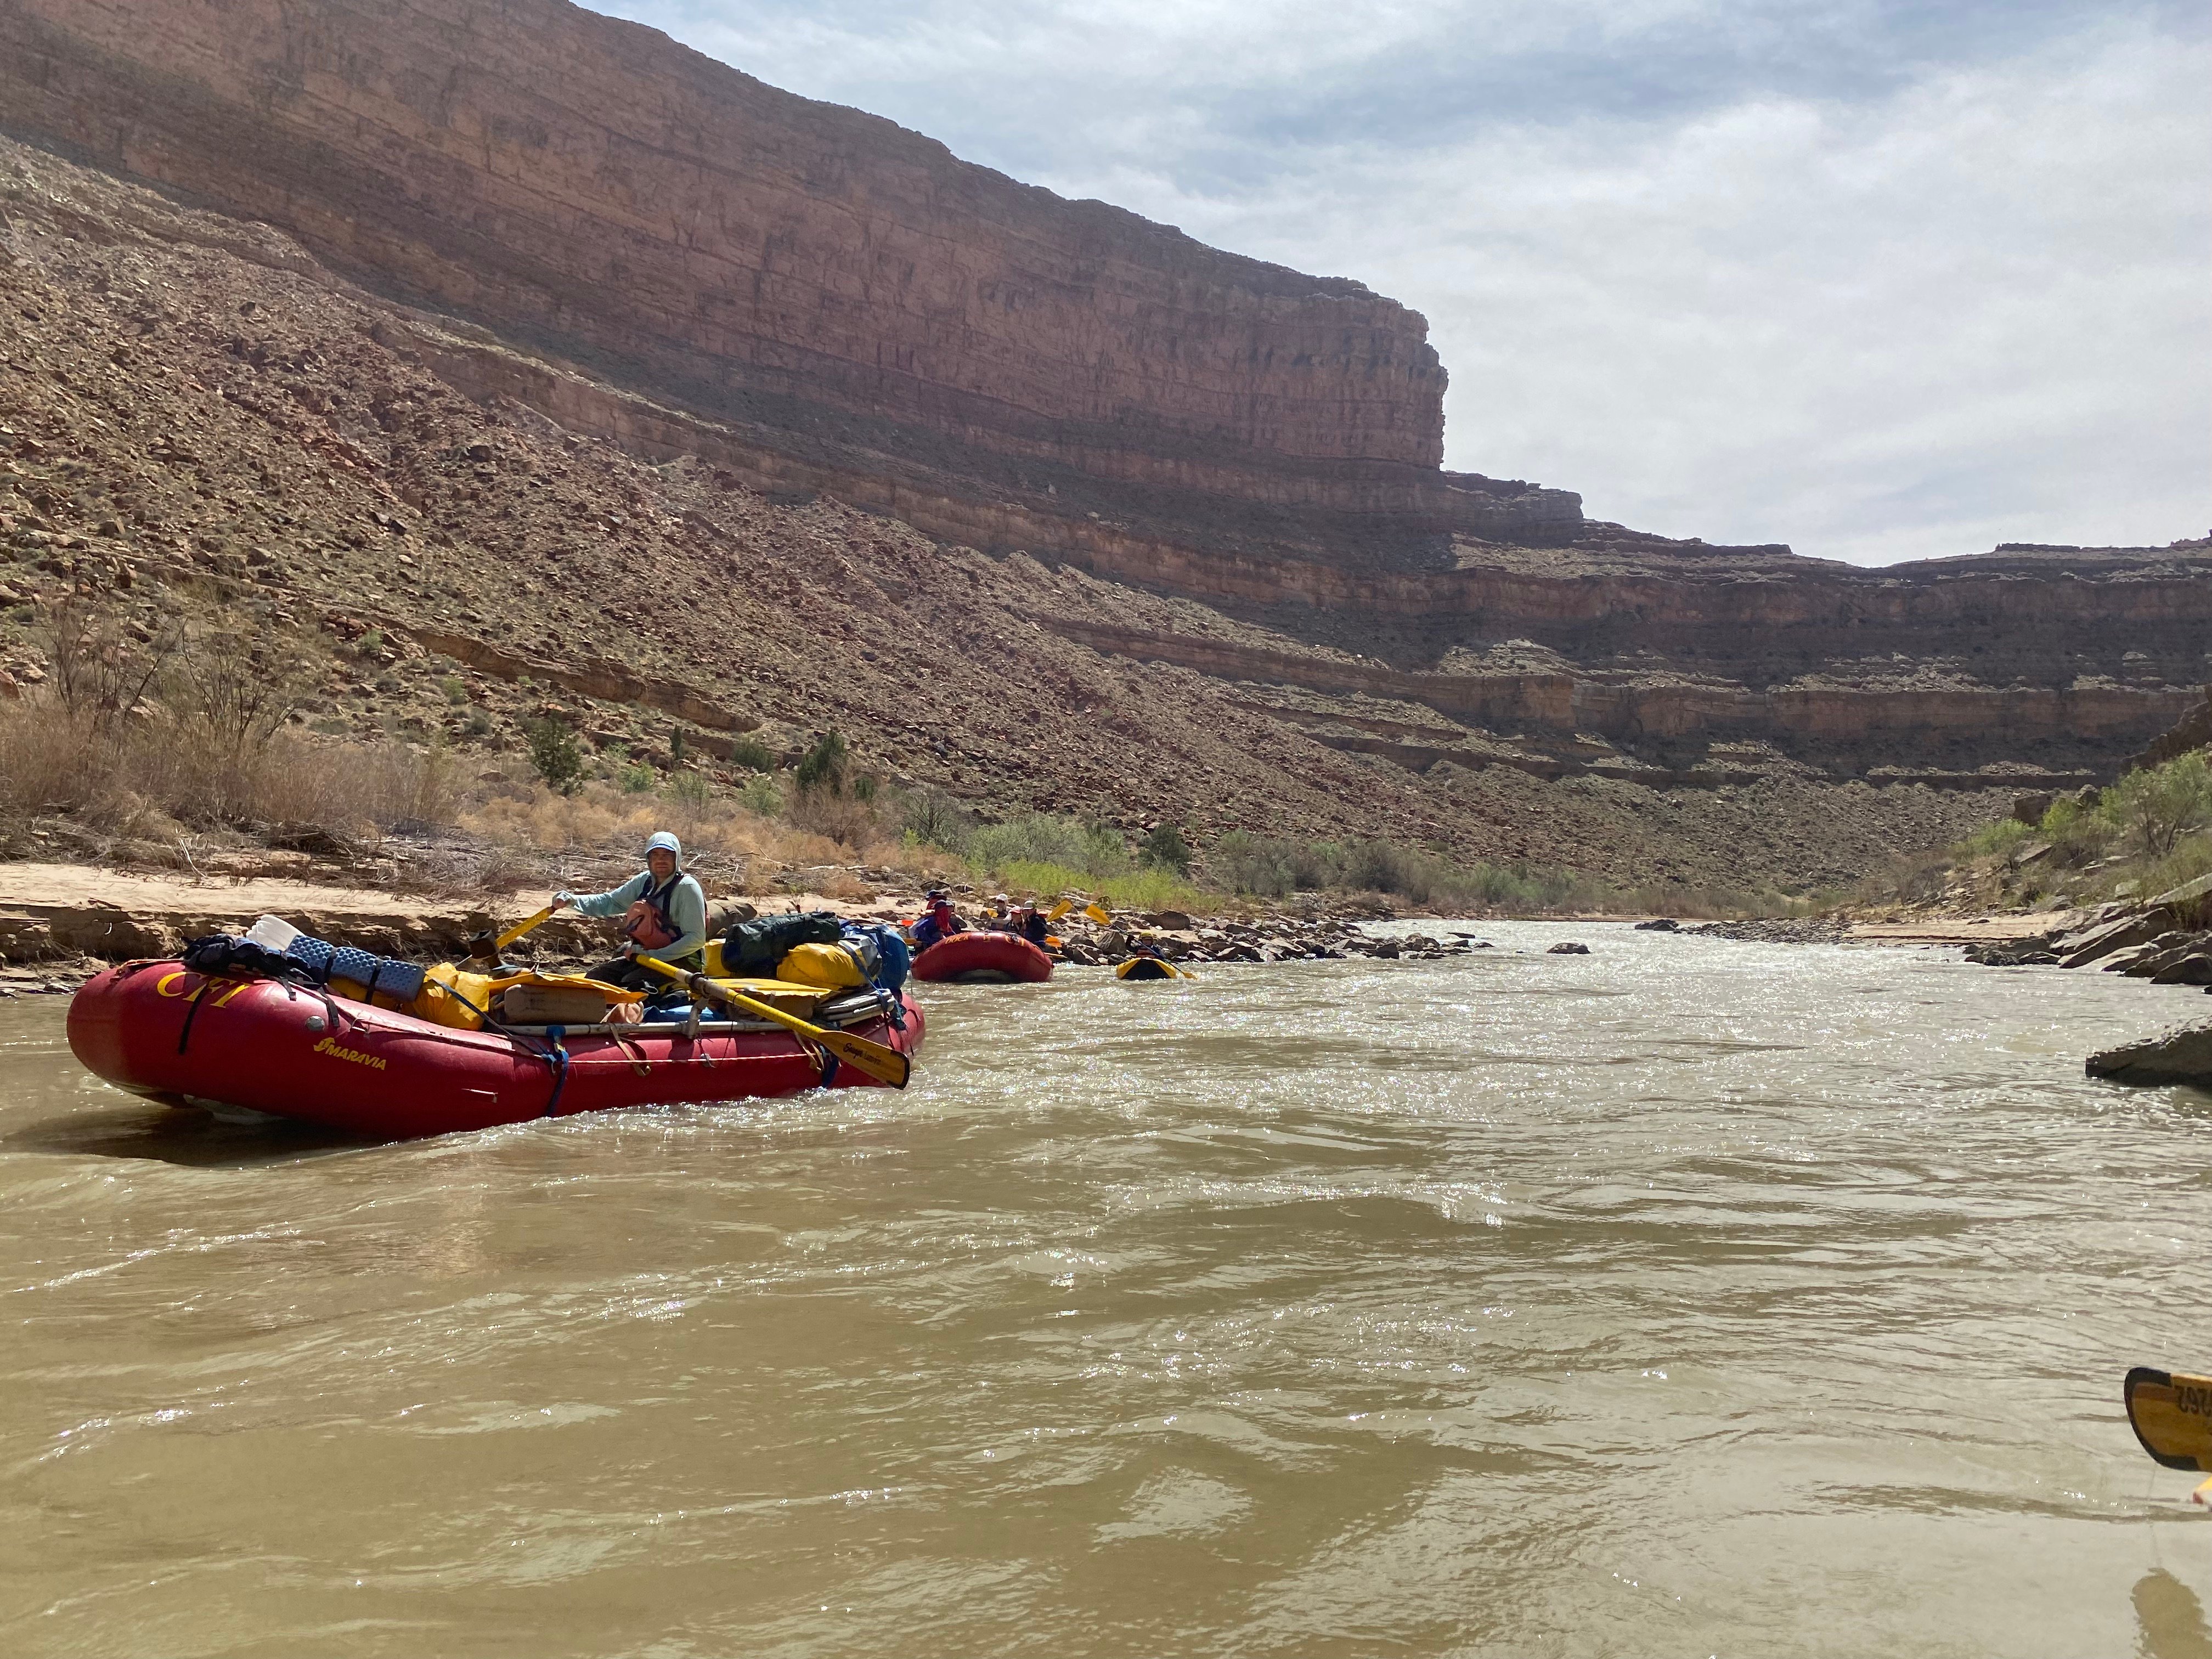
{"x":1879,"y":283}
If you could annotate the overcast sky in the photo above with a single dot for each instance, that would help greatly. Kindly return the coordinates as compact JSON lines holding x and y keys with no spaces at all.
{"x":1882,"y":281}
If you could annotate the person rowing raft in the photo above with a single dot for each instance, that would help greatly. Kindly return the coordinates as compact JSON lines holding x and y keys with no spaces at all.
{"x":939,"y":921}
{"x":664,"y":914}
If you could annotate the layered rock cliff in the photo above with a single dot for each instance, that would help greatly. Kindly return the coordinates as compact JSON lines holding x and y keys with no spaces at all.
{"x":591,"y":185}
{"x":554,"y":212}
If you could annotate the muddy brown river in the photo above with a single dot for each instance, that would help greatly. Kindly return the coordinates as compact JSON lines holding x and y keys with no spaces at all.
{"x":1685,"y":1298}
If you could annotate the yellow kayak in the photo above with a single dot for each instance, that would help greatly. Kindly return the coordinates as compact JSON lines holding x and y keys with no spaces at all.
{"x":1151,"y":967}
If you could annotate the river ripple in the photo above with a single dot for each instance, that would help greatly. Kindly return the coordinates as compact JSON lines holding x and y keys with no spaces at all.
{"x":1687,"y":1297}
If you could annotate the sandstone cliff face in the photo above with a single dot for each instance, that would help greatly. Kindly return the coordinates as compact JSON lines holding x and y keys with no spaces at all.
{"x":590,"y":185}
{"x":672,"y":257}
{"x":198,"y":422}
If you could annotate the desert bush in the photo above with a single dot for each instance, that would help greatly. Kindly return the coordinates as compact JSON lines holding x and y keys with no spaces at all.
{"x":1093,"y":850}
{"x":760,"y":796}
{"x":847,"y":819}
{"x":1150,"y":889}
{"x":1268,"y":867}
{"x":1999,"y":836}
{"x":933,"y":818}
{"x":636,"y":779}
{"x":109,"y":777}
{"x":100,"y":673}
{"x":2155,"y":807}
{"x":1164,"y":847}
{"x":751,"y":754}
{"x":2190,"y":858}
{"x":823,"y":766}
{"x":2078,"y":834}
{"x":691,"y":789}
{"x":235,"y":687}
{"x":555,"y":754}
{"x":1271,"y":867}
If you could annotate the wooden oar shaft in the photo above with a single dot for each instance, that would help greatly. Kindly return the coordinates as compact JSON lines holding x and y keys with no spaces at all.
{"x":885,"y":1064}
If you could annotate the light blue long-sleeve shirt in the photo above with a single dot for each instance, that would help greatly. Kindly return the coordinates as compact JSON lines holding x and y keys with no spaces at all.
{"x":687,"y":910}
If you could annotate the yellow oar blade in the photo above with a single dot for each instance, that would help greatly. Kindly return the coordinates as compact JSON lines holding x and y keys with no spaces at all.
{"x":1099,"y":914}
{"x":2172,"y":1415}
{"x":1059,"y":910}
{"x":883,"y":1064}
{"x":521,"y":927}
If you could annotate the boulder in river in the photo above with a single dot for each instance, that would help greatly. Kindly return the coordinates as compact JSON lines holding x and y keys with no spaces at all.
{"x":1659,"y":925}
{"x":2180,"y":1054}
{"x":1568,"y":948}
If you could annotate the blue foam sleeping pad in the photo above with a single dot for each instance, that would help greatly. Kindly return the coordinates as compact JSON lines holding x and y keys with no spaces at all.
{"x":324,"y":962}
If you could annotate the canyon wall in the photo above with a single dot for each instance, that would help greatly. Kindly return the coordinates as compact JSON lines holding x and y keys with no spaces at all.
{"x":591,"y":186}
{"x":557,"y":210}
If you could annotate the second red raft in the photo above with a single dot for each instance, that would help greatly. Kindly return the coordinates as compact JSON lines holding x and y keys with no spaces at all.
{"x":282,"y":1049}
{"x":980,"y":954}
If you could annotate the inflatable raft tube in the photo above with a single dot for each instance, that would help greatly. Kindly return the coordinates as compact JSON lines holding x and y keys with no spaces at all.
{"x":295,"y":1052}
{"x":977,"y":955}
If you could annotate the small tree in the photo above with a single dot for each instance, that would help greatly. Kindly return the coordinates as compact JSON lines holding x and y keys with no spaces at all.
{"x":2159,"y":806}
{"x":240,"y":688}
{"x":554,"y":752}
{"x":1163,"y":846}
{"x":100,"y":671}
{"x":823,"y":766}
{"x":935,"y":819}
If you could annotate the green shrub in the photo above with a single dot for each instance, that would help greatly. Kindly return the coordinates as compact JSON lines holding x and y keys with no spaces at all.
{"x":1990,"y":839}
{"x":637,"y":779}
{"x":823,"y":765}
{"x":1153,"y":889}
{"x":1163,"y":847}
{"x":751,"y":754}
{"x":691,"y":789}
{"x":2154,"y":808}
{"x":2191,"y":857}
{"x":933,"y":818}
{"x":1092,"y":849}
{"x":759,"y":794}
{"x":457,"y":691}
{"x":1270,"y":867}
{"x":554,"y":752}
{"x":2078,"y":834}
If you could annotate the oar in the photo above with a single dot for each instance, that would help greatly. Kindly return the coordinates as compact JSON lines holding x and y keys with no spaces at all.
{"x":484,"y":948}
{"x":1099,"y":914}
{"x":883,"y":1064}
{"x":2172,"y":1415}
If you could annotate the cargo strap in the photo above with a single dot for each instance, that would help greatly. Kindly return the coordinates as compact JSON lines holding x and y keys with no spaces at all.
{"x":553,"y":1036}
{"x":192,"y":1014}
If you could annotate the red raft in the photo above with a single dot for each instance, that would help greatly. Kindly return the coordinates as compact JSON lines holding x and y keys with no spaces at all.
{"x":980,"y":954}
{"x":298,"y":1054}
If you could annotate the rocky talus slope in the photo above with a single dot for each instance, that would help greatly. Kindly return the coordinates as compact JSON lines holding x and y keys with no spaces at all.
{"x":200,"y":418}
